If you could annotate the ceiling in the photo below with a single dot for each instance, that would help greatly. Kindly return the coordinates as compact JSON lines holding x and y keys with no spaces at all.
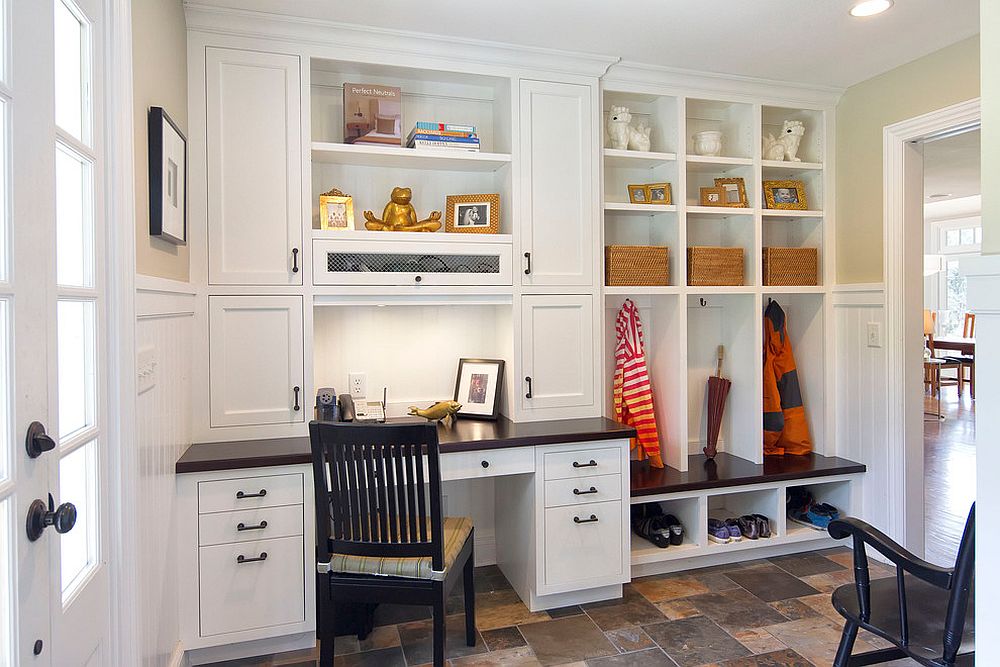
{"x":952,"y":167}
{"x":805,"y":41}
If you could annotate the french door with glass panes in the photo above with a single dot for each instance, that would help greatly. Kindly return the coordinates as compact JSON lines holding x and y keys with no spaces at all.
{"x":54,"y":588}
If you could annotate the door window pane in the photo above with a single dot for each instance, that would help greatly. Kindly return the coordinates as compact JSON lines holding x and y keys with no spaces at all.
{"x":70,"y":70}
{"x":951,"y":238}
{"x":74,"y":220}
{"x":77,"y":381}
{"x":78,"y":485}
{"x":968,"y":236}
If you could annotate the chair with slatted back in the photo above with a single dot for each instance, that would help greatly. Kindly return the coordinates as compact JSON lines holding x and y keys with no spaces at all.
{"x":925,"y":611}
{"x":379,"y":530}
{"x":967,"y":362}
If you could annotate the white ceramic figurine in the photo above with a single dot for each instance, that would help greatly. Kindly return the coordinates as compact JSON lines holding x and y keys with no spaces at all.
{"x":787,"y":145}
{"x":623,"y":135}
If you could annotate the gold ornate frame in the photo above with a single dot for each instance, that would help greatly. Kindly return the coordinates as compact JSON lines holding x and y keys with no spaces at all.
{"x":493,"y":224}
{"x":335,"y":196}
{"x":704,"y":192}
{"x":666,"y":189}
{"x":800,"y":191}
{"x":742,"y":187}
{"x":632,"y":189}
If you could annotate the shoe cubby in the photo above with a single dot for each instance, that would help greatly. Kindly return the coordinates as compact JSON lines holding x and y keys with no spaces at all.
{"x":734,"y":504}
{"x":838,"y":493}
{"x":689,"y":512}
{"x":811,"y":146}
{"x":735,"y":120}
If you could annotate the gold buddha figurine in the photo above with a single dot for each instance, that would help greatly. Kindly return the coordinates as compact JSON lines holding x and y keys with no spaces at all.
{"x":399,"y":216}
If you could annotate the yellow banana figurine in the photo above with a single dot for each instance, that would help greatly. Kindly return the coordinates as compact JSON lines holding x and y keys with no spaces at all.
{"x":438,"y":412}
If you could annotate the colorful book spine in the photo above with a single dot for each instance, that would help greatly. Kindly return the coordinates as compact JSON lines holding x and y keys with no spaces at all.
{"x":431,"y":137}
{"x":443,"y":144}
{"x":447,"y":127}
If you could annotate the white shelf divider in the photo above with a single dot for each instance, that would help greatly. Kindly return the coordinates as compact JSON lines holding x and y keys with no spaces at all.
{"x":638,"y":209}
{"x":398,"y":157}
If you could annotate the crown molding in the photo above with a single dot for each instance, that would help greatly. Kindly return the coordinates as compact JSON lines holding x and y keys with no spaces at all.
{"x":399,"y":45}
{"x":672,"y":80}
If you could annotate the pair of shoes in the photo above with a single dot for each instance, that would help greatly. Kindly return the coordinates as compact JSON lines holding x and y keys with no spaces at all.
{"x":650,"y":523}
{"x":719,"y":532}
{"x":803,"y":509}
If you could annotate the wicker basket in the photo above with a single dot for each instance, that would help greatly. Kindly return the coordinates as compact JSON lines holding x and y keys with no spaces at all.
{"x":708,"y":265}
{"x":636,"y":265}
{"x":790,"y":266}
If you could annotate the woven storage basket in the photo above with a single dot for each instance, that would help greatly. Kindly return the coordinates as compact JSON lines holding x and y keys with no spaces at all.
{"x":636,"y":265}
{"x":708,"y":265}
{"x":791,"y":266}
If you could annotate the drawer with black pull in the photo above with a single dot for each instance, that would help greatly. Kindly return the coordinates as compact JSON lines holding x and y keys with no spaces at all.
{"x":226,"y":495}
{"x":583,"y":463}
{"x":583,"y":544}
{"x":593,"y":489}
{"x":251,"y":585}
{"x":249,"y":525}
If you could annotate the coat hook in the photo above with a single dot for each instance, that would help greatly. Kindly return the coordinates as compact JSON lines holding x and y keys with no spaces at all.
{"x":702,"y":301}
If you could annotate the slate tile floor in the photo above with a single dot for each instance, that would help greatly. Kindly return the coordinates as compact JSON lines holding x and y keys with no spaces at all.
{"x":762,"y":613}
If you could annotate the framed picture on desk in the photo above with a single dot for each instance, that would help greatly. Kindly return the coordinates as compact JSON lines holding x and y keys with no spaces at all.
{"x":478,"y":386}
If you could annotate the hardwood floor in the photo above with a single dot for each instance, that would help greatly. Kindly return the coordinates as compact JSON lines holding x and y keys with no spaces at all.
{"x":949,"y":473}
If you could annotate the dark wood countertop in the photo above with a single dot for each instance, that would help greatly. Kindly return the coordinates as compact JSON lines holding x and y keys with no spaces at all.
{"x":727,"y":470}
{"x":465,"y":435}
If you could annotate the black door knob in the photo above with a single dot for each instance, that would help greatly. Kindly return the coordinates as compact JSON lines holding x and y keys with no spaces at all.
{"x":37,"y":442}
{"x":40,"y":517}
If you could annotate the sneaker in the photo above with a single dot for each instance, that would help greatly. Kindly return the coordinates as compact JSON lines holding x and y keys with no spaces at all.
{"x":735,"y":533}
{"x":718,"y":532}
{"x":645,"y":524}
{"x":676,"y":529}
{"x":810,"y":517}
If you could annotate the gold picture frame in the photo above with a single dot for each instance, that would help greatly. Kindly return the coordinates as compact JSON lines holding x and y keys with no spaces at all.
{"x":715,"y":196}
{"x":638,"y":194}
{"x":336,"y":211}
{"x":734,"y":186}
{"x":785,"y":195}
{"x":473,"y":214}
{"x":659,"y":193}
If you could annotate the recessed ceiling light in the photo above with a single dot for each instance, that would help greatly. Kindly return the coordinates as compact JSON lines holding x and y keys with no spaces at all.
{"x":940,"y":195}
{"x":870,"y":7}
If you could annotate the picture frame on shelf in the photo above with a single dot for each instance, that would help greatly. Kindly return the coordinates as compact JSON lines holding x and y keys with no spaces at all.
{"x":336,"y":211}
{"x":659,"y":193}
{"x":788,"y":195}
{"x":167,"y":178}
{"x":473,"y":214}
{"x":714,"y":196}
{"x":478,"y":386}
{"x":638,"y":194}
{"x":736,"y":192}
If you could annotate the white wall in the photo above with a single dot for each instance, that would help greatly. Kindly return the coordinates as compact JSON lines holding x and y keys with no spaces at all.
{"x":164,"y":323}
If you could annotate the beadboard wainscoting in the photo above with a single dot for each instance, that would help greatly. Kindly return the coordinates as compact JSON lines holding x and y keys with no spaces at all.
{"x":164,"y":336}
{"x":861,"y":376}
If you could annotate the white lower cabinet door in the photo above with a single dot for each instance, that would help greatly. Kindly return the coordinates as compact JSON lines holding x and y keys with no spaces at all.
{"x":583,"y":545}
{"x":255,"y":360}
{"x":557,"y":355}
{"x":251,"y":585}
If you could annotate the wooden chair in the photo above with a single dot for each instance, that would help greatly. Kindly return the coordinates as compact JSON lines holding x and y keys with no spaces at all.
{"x":379,"y":531}
{"x":926,"y":611}
{"x":967,"y":361}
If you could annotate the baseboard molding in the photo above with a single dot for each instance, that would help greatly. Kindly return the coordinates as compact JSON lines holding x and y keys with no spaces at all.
{"x":177,"y":657}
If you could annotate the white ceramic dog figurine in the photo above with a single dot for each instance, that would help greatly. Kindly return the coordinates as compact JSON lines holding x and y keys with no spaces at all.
{"x":787,"y":145}
{"x":622,"y":135}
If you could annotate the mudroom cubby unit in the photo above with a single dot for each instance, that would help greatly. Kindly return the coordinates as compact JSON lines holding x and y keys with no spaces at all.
{"x":737,"y":503}
{"x":834,"y":493}
{"x":690,"y":513}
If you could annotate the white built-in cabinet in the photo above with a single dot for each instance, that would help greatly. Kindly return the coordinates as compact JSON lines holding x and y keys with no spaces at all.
{"x":254,"y":156}
{"x":557,"y":355}
{"x":256,"y":360}
{"x":559,"y":183}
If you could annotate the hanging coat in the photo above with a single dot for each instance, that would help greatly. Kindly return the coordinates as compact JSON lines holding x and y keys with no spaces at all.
{"x":785,"y":428}
{"x":633,"y":394}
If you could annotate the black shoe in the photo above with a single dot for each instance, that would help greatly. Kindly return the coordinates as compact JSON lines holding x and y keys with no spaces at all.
{"x":748,"y":526}
{"x":676,"y":529}
{"x":763,"y":525}
{"x":647,"y":523}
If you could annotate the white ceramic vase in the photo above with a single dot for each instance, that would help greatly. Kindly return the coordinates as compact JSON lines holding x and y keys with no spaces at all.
{"x":708,"y":143}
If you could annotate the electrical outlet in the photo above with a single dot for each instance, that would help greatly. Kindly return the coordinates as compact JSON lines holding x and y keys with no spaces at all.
{"x":359,"y":384}
{"x":874,"y":334}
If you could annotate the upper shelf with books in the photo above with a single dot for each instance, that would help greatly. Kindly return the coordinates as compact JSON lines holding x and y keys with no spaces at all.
{"x":407,"y":158}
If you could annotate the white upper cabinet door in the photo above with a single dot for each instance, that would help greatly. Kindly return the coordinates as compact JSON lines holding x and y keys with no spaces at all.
{"x":560,"y":184}
{"x":255,"y":360}
{"x":557,"y":356}
{"x":254,"y":168}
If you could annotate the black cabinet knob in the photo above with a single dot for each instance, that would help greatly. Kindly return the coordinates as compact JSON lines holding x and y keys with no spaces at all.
{"x":486,"y":464}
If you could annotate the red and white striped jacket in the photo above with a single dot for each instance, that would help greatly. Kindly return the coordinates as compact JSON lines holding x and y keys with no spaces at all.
{"x":633,"y":394}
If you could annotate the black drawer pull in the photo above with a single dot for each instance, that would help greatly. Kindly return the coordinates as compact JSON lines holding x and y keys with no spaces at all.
{"x":527,"y":271}
{"x":296,"y":406}
{"x":578,"y":492}
{"x":592,"y":519}
{"x":243,"y":559}
{"x":240,"y":495}
{"x":242,"y":526}
{"x":295,"y":260}
{"x":528,"y":380}
{"x":577,"y":464}
{"x":486,"y":464}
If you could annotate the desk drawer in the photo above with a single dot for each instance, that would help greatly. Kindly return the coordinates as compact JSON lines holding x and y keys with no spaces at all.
{"x":237,"y":596}
{"x":226,"y":495}
{"x":249,"y":525}
{"x":585,"y":463}
{"x":595,"y":489}
{"x":589,"y":552}
{"x":487,"y":463}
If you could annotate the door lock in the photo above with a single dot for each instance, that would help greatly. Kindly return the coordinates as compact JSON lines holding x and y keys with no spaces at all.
{"x":37,"y":441}
{"x":40,"y":517}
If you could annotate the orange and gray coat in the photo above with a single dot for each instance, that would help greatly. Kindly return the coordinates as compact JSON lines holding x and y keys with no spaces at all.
{"x":786,"y":430}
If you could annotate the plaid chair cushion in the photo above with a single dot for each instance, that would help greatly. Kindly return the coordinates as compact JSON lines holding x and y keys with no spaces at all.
{"x":456,"y":531}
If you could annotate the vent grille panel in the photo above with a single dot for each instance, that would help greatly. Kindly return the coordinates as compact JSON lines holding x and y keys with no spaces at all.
{"x":365,"y":262}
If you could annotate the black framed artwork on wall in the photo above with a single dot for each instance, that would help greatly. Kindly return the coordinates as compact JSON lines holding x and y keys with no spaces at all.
{"x":167,"y":178}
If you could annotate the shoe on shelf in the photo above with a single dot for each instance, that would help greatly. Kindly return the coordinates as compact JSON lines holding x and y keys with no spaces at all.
{"x":763,"y":525}
{"x":828,"y":509}
{"x":735,"y":532}
{"x":646,"y":523}
{"x":810,"y":517}
{"x":748,"y":526}
{"x":718,"y":532}
{"x":676,"y":529}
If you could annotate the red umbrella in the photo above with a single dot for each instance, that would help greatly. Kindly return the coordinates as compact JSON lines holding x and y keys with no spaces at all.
{"x":718,"y":390}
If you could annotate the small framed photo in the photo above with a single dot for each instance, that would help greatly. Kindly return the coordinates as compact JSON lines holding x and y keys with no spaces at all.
{"x":713,"y":196}
{"x":788,"y":195}
{"x":336,"y":211}
{"x":638,"y":194}
{"x":659,"y":193}
{"x":167,"y":178}
{"x":473,"y":214}
{"x":478,"y":386}
{"x":736,"y":192}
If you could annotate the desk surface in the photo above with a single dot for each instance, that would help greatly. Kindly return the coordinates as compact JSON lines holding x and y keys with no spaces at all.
{"x":466,"y":435}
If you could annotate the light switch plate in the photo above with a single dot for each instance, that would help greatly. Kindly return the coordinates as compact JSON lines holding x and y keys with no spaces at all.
{"x":146,"y":369}
{"x":874,"y":334}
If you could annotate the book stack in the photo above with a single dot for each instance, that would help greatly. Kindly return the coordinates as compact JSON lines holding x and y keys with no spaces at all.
{"x":443,"y":136}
